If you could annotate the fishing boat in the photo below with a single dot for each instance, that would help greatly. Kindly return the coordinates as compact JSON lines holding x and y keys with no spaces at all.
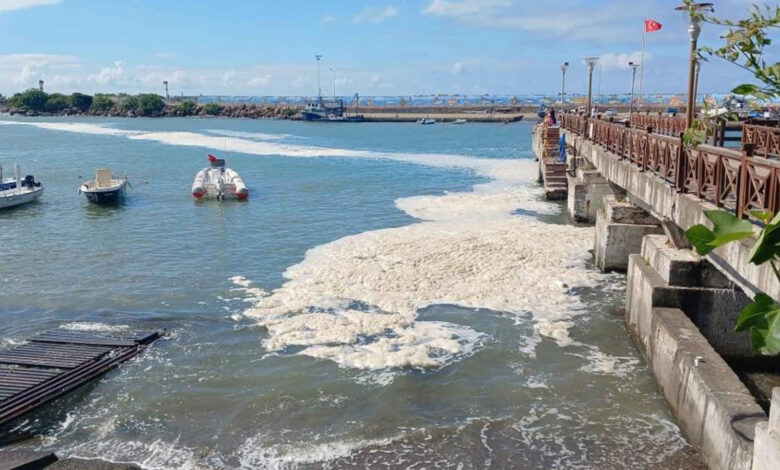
{"x":219,"y":182}
{"x":104,"y":188}
{"x":318,"y":111}
{"x":18,"y":191}
{"x":426,"y":121}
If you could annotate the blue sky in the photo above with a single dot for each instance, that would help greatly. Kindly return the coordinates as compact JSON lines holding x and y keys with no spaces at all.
{"x":376,"y":47}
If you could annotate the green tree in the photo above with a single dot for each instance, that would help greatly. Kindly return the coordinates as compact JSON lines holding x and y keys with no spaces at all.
{"x":187,"y":108}
{"x":212,"y":109}
{"x":130,"y":104}
{"x":150,"y":104}
{"x":746,"y":41}
{"x":80,"y":101}
{"x":101,"y":103}
{"x":56,"y":102}
{"x":31,"y":100}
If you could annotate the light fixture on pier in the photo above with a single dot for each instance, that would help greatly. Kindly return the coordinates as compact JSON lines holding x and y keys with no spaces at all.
{"x":633,"y":66}
{"x":564,"y":66}
{"x":695,"y":13}
{"x":590,"y":61}
{"x":319,"y":89}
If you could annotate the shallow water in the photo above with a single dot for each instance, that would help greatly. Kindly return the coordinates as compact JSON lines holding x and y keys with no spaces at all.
{"x":446,"y":317}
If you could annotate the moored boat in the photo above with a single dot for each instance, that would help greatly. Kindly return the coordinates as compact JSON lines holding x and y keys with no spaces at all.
{"x":104,"y":188}
{"x":18,"y":191}
{"x":219,"y":182}
{"x":459,"y":121}
{"x":426,"y":121}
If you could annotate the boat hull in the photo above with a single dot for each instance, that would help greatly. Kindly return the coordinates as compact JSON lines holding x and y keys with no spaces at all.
{"x":112,"y":196}
{"x":213,"y":183}
{"x":19,"y":198}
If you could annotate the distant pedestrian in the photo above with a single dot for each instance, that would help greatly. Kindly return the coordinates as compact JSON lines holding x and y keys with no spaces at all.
{"x":552,"y":117}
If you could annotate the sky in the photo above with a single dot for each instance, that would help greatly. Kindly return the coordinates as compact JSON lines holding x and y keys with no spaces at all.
{"x":372,"y":47}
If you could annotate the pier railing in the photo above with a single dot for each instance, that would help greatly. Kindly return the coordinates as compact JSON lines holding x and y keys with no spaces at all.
{"x":766,"y":139}
{"x":731,"y":179}
{"x":665,"y":125}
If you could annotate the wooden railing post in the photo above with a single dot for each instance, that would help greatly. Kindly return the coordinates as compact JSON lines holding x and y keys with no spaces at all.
{"x":680,"y":167}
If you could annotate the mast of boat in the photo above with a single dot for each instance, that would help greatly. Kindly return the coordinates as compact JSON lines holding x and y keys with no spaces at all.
{"x":18,"y":177}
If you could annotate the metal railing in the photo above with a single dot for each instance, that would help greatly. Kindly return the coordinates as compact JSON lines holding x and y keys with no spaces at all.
{"x":731,"y":179}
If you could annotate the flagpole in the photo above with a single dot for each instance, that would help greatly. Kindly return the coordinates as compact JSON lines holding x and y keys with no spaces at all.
{"x":642,"y":64}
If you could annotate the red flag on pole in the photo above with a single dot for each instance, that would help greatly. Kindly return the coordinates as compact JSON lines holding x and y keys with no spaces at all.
{"x":652,"y":25}
{"x":212,"y":158}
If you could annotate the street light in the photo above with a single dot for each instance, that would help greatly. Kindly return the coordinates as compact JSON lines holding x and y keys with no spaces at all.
{"x":633,"y":66}
{"x":694,"y":12}
{"x":591,"y":63}
{"x":564,"y":66}
{"x":319,"y":89}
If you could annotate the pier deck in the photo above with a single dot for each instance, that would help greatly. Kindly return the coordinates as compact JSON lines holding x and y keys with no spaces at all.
{"x":56,"y":362}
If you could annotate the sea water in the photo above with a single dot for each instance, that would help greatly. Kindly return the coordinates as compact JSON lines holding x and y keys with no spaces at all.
{"x":391,"y":295}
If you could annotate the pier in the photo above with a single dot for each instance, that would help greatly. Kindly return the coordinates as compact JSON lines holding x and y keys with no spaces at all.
{"x":56,"y":362}
{"x":641,"y":187}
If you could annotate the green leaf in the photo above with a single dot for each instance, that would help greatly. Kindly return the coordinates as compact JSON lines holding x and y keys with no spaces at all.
{"x":700,"y":237}
{"x":728,"y":228}
{"x":767,"y":246}
{"x":745,"y":89}
{"x":772,"y":338}
{"x":763,"y":216}
{"x":757,"y":339}
{"x":756,"y":313}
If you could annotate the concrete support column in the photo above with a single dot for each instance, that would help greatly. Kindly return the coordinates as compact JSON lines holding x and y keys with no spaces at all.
{"x":766,"y":453}
{"x":620,"y":227}
{"x":586,"y":190}
{"x":681,"y":311}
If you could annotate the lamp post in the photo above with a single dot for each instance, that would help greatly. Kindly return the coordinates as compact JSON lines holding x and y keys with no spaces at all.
{"x":694,"y":13}
{"x":319,"y":89}
{"x":591,"y":63}
{"x":633,"y":66}
{"x":564,"y":66}
{"x":165,"y":84}
{"x":696,"y":81}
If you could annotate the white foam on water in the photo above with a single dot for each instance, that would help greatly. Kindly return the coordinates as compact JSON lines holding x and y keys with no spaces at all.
{"x":470,"y":250}
{"x":75,"y":127}
{"x":253,"y":135}
{"x":255,"y":453}
{"x":93,"y":326}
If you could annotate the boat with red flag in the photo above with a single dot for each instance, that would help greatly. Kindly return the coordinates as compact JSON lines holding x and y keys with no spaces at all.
{"x":217,"y":181}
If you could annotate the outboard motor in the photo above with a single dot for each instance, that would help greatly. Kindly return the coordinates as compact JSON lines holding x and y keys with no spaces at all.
{"x":29,"y":182}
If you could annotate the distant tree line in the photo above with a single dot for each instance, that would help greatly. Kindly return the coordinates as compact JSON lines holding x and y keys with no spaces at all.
{"x":35,"y":100}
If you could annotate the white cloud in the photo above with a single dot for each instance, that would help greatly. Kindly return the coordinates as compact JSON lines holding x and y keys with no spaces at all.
{"x":375,"y":15}
{"x":163,"y":55}
{"x":455,"y":8}
{"x":260,"y":81}
{"x":13,"y":5}
{"x":613,"y":61}
{"x":328,"y":18}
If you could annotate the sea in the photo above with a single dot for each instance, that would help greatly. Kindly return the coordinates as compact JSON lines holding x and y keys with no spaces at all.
{"x":390,"y":296}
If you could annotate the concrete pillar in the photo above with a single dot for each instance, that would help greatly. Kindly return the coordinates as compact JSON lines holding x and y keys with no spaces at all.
{"x":620,"y":227}
{"x":682,"y":311}
{"x":586,"y":190}
{"x":766,"y":451}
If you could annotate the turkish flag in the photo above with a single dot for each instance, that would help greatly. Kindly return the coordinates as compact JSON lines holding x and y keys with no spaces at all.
{"x":212,"y":158}
{"x":652,"y":25}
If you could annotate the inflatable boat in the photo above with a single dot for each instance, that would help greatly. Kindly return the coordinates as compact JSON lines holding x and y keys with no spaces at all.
{"x":219,"y":182}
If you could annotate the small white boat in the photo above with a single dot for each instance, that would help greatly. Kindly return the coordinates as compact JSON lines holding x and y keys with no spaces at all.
{"x":426,"y":121}
{"x":459,"y":121}
{"x":219,"y":182}
{"x":18,"y":191}
{"x":104,"y":188}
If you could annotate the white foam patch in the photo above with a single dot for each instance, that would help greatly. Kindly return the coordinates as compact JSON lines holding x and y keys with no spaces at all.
{"x":253,"y":135}
{"x":94,"y":326}
{"x":75,"y":127}
{"x":471,"y":251}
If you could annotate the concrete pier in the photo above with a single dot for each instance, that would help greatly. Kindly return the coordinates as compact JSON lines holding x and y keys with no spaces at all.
{"x":586,"y":190}
{"x":620,"y":227}
{"x":767,"y":442}
{"x":667,"y":291}
{"x":552,"y":171}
